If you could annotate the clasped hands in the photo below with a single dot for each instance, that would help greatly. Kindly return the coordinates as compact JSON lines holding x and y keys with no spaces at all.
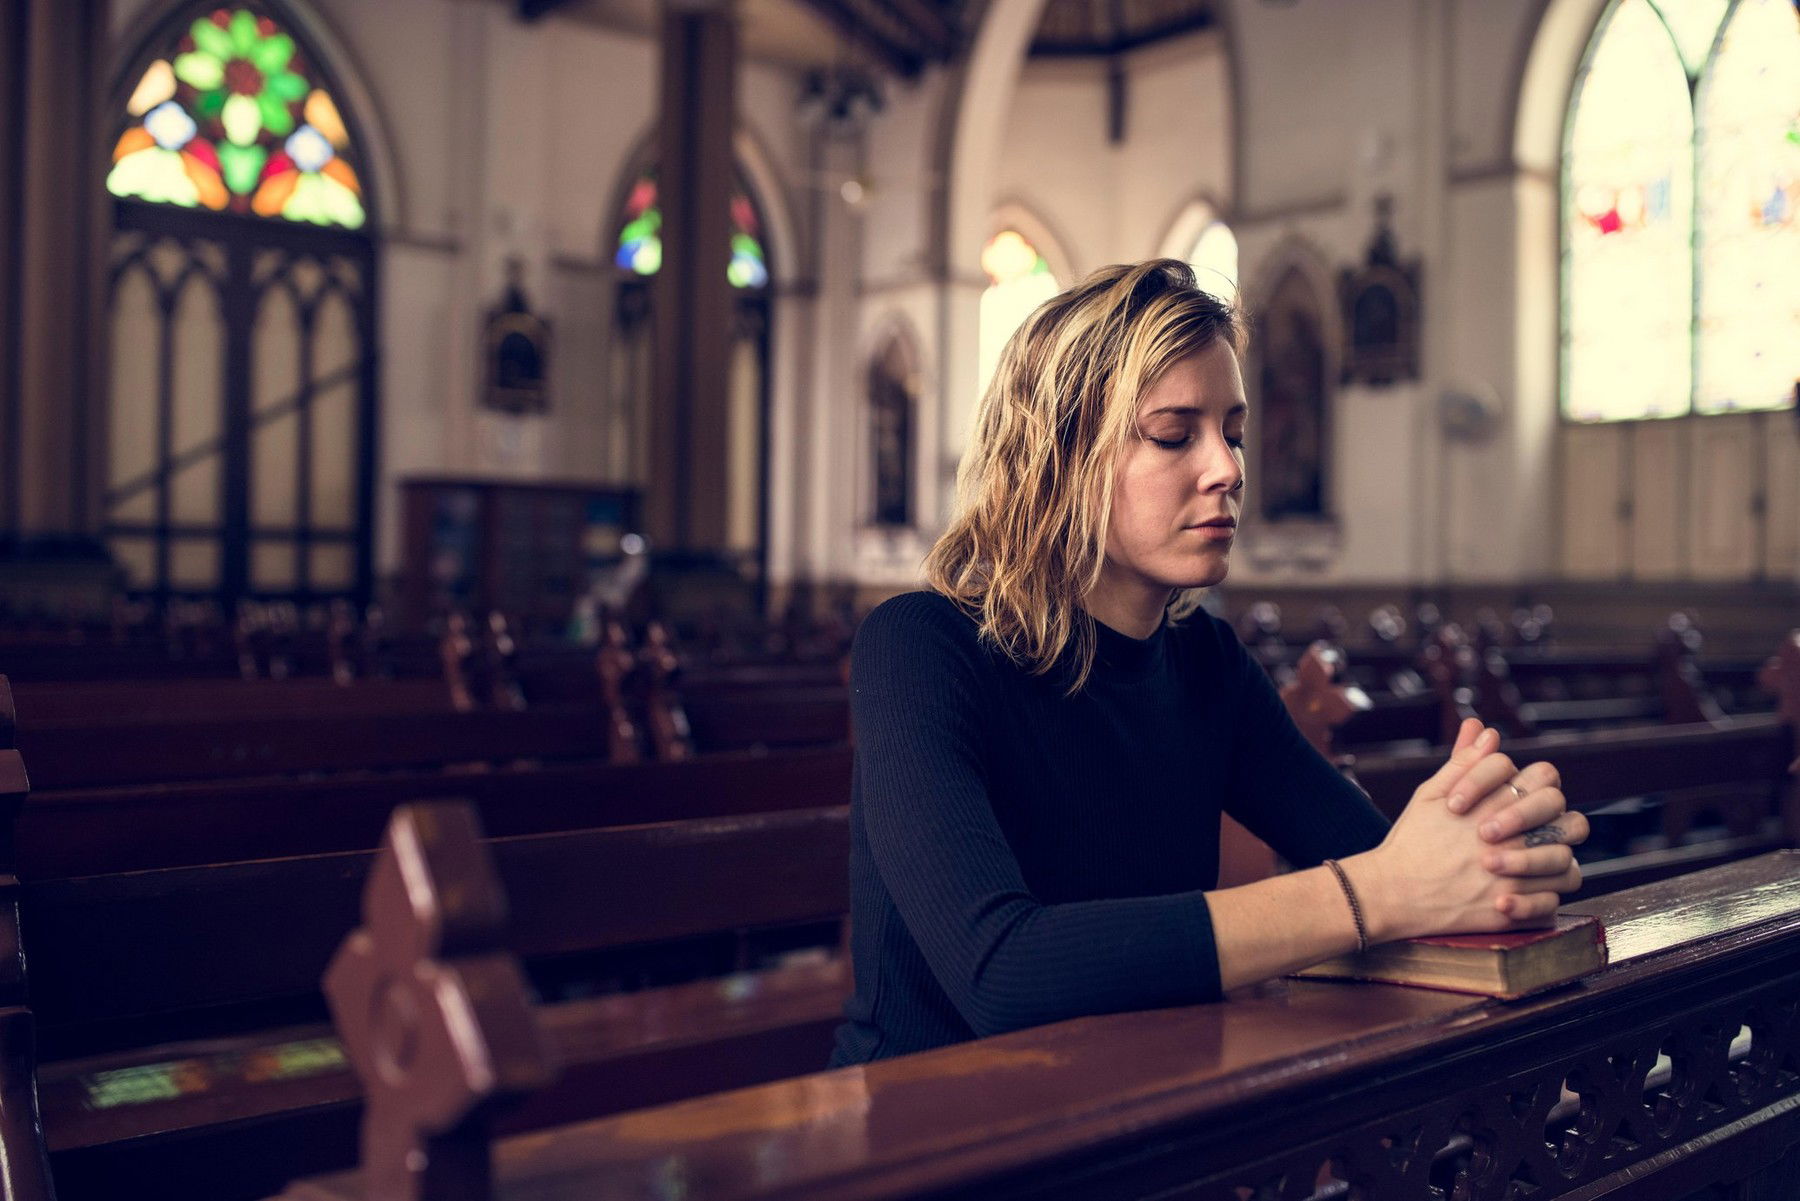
{"x":1482,"y":846}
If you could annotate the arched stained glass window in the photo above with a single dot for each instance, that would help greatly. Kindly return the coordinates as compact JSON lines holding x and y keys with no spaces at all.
{"x":233,"y":119}
{"x":1214,"y":258}
{"x":637,"y":250}
{"x":240,"y":456}
{"x":1018,"y":281}
{"x":640,"y":236}
{"x":1681,"y":280}
{"x":1749,"y":229}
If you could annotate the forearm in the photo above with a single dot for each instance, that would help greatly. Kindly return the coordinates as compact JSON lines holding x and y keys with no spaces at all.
{"x":1284,"y":923}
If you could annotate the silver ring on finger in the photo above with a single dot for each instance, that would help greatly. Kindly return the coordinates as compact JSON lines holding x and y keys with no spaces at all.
{"x":1518,"y":792}
{"x":1549,"y":834}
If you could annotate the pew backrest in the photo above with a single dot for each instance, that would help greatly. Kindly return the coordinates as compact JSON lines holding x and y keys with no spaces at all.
{"x":143,"y":827}
{"x":1606,"y":765}
{"x":91,"y":754}
{"x":113,"y":955}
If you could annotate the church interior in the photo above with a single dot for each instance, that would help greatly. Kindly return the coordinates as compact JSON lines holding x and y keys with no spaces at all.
{"x":447,"y":446}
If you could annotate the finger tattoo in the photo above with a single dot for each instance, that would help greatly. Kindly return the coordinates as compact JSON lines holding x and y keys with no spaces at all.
{"x":1544,"y":836}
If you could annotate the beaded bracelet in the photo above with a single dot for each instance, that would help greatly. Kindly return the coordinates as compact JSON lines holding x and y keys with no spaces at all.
{"x":1362,"y":931}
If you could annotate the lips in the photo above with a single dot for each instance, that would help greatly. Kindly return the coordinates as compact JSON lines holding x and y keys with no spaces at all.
{"x":1228,"y":523}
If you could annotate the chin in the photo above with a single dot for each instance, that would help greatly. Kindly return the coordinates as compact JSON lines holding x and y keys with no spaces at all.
{"x":1202,"y":575}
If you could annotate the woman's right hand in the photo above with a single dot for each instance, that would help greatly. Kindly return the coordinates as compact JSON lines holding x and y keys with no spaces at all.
{"x":1431,"y":875}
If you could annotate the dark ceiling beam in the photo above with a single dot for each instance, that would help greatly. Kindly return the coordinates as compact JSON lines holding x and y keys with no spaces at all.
{"x":928,"y":22}
{"x":901,"y":60}
{"x":881,"y":19}
{"x":1132,"y":39}
{"x":531,"y":10}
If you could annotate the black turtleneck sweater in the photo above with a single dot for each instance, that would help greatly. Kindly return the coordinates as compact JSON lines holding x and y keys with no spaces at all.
{"x":1019,"y":856}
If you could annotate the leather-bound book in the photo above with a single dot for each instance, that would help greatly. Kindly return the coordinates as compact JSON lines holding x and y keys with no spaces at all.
{"x":1494,"y":965}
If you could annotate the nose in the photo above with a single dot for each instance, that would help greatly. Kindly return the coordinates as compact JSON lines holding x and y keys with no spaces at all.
{"x":1222,"y":472}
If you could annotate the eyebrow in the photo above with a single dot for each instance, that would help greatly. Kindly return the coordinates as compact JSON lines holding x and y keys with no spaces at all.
{"x":1198,"y":410}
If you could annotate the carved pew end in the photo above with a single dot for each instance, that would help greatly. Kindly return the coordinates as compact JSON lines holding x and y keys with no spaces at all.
{"x":433,"y":1011}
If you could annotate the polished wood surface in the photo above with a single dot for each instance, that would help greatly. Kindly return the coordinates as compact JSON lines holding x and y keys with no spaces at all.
{"x":1267,"y":1087}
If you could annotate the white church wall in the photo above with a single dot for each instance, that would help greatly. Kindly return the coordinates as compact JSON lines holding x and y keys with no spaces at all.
{"x":1489,"y":44}
{"x":1178,"y":143}
{"x":1104,"y":201}
{"x":1056,"y":163}
{"x":898,"y":169}
{"x":1320,"y":86}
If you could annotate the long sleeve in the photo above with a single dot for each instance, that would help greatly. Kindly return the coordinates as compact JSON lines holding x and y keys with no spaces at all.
{"x":1004,"y":959}
{"x":1282,"y":789}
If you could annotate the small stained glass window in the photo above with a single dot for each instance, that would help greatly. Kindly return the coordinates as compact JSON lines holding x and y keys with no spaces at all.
{"x":640,"y":236}
{"x":233,"y":119}
{"x":1019,"y":280}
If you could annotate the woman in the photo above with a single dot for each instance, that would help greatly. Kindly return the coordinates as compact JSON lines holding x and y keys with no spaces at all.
{"x":1043,"y":750}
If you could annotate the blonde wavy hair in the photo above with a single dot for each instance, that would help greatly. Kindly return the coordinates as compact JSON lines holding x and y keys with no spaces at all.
{"x":1035,"y":488}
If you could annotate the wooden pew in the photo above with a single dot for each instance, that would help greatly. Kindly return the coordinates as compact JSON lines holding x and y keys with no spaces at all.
{"x":91,"y":754}
{"x":1735,"y":764}
{"x":64,"y":702}
{"x":179,"y":1020}
{"x":24,"y":1167}
{"x":1674,"y":1068}
{"x":107,"y":1147}
{"x":250,"y":729}
{"x":1742,"y":762}
{"x":138,"y":828}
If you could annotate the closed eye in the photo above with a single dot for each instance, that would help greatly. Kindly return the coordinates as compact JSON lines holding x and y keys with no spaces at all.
{"x":1173,"y":443}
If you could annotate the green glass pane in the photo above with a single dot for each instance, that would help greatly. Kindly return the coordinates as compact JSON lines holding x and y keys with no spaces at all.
{"x":276,"y":115}
{"x":644,"y":227}
{"x":340,"y":204}
{"x":210,"y":39}
{"x":209,"y":104}
{"x":243,"y":32}
{"x":287,"y":85}
{"x":200,"y":71}
{"x":132,"y":1086}
{"x":241,"y":166}
{"x":272,"y":53}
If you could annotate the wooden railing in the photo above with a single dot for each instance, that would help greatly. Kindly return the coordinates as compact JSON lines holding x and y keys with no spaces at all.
{"x":1676,"y":1067}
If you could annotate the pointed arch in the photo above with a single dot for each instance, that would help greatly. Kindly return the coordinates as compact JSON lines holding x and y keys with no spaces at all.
{"x":756,"y":173}
{"x":330,"y":63}
{"x":893,"y":389}
{"x":243,"y":436}
{"x":1201,"y":236}
{"x":630,"y":240}
{"x":1020,"y":276}
{"x":1679,"y":181}
{"x":1291,"y":377}
{"x":1296,"y":254}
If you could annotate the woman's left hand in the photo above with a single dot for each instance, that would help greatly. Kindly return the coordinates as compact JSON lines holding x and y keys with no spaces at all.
{"x":1530,"y":830}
